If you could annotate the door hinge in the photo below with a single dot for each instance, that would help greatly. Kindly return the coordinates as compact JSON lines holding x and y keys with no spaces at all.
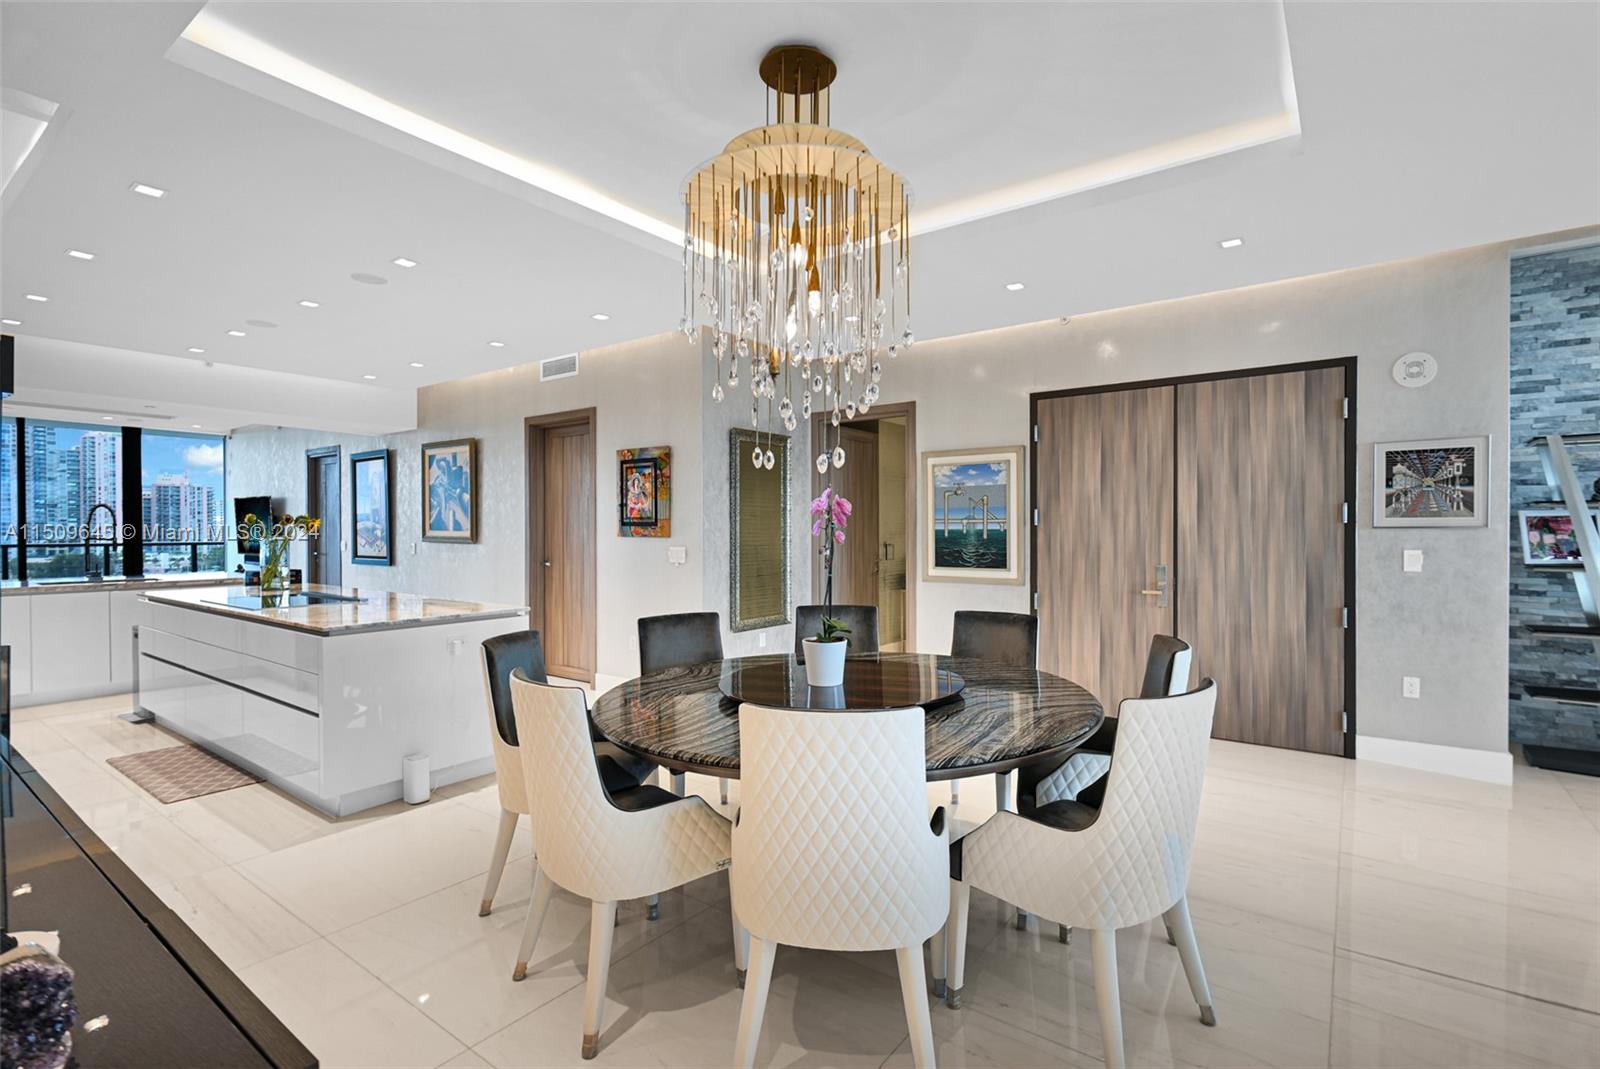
{"x":1344,"y":722}
{"x":1036,"y":517}
{"x":1035,"y":601}
{"x":1344,"y":512}
{"x":1347,"y":408}
{"x":1344,"y":617}
{"x":1036,"y":432}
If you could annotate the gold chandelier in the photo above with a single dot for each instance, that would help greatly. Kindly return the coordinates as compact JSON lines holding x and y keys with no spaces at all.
{"x":797,"y":258}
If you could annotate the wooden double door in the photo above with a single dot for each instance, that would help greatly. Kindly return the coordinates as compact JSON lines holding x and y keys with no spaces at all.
{"x":1214,"y":510}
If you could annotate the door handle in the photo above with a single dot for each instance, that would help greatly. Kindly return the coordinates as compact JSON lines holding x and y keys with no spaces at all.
{"x":1160,"y":592}
{"x":547,"y":564}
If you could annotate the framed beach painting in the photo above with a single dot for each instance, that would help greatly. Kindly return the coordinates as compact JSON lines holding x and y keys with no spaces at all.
{"x":644,"y":492}
{"x":371,"y":501}
{"x":1439,"y":483}
{"x":972,"y":515}
{"x":450,"y":491}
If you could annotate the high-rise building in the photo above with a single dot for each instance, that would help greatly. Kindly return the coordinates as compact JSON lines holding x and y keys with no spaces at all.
{"x":169,"y":507}
{"x":100,"y":479}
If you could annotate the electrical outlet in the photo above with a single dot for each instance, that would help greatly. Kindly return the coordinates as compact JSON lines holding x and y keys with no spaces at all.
{"x":1411,"y":687}
{"x":1412,"y":559}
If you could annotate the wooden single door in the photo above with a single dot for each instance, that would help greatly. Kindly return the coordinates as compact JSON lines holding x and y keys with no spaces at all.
{"x":566,"y":485}
{"x":1104,"y":490}
{"x":855,"y":565}
{"x":324,"y":556}
{"x":1261,"y":566}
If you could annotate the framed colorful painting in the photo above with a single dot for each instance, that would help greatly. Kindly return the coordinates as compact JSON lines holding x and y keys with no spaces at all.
{"x":371,"y":499}
{"x":972,"y":515}
{"x":1439,"y":483}
{"x":644,"y":492}
{"x":450,"y":491}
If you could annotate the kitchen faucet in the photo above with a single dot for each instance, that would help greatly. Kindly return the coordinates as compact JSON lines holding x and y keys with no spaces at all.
{"x":88,"y":539}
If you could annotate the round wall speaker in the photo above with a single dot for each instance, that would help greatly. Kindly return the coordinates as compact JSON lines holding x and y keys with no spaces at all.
{"x":1415,"y":369}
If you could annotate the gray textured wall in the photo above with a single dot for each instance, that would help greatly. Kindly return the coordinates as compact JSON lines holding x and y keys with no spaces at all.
{"x":1555,"y":389}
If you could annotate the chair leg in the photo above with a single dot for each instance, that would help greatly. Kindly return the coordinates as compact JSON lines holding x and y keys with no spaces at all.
{"x":497,"y":860}
{"x":956,"y":940}
{"x":1064,"y":933}
{"x":741,"y":947}
{"x":537,"y":907}
{"x":1171,"y":939}
{"x":1002,"y":791}
{"x":1181,"y":925}
{"x":653,"y":908}
{"x":914,"y":990}
{"x":1104,"y":942}
{"x":937,"y":957}
{"x":955,"y":792}
{"x":677,"y":787}
{"x":722,"y":790}
{"x":754,"y":1006}
{"x":602,"y":927}
{"x":1022,"y":920}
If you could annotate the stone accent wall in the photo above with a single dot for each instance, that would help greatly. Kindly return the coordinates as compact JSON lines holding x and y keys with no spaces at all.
{"x":1555,"y":389}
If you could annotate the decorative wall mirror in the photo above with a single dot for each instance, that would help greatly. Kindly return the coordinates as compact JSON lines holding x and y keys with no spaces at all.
{"x":758,"y":530}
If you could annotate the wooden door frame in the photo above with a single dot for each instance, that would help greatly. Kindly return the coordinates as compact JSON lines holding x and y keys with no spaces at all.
{"x":314,"y":459}
{"x":887,"y":410}
{"x":1348,"y":364}
{"x":533,"y":433}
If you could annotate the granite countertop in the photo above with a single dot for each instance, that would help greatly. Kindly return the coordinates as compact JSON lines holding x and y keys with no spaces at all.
{"x":143,"y":582}
{"x":374,"y":611}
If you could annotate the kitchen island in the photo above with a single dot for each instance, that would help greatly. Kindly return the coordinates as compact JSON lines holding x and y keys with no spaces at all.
{"x":324,"y":691}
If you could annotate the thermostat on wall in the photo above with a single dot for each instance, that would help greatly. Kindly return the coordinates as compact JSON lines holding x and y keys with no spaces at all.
{"x":1415,"y":369}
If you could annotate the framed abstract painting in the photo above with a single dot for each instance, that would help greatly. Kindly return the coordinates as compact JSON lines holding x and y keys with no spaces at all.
{"x":450,"y":491}
{"x":1443,"y":482}
{"x":972,"y":515}
{"x":371,"y":501}
{"x":644,"y":492}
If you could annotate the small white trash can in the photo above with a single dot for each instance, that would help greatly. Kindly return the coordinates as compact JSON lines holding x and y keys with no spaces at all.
{"x":414,"y":778}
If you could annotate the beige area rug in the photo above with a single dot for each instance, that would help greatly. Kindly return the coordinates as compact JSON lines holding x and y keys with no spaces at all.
{"x":174,"y":773}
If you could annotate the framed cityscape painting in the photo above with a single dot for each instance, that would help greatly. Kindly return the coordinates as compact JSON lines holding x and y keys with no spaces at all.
{"x":972,"y":515}
{"x":370,"y":508}
{"x":644,"y":492}
{"x":1438,"y":483}
{"x":450,"y":491}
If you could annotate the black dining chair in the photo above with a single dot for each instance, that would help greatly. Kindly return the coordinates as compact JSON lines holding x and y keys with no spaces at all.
{"x":862,"y":620}
{"x":677,"y":640}
{"x":1008,"y":638}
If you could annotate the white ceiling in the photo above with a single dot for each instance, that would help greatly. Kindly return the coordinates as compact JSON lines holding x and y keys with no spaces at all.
{"x":1423,"y":127}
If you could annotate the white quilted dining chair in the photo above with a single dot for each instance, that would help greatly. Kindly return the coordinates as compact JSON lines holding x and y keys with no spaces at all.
{"x":833,"y":849}
{"x":599,"y":844}
{"x":1104,"y":869}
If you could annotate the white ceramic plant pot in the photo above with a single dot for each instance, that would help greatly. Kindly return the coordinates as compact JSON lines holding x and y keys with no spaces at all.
{"x":824,"y":662}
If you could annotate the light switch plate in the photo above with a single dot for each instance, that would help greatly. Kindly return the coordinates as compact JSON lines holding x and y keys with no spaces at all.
{"x":1410,"y":687}
{"x":677,"y":554}
{"x":1413,"y":560}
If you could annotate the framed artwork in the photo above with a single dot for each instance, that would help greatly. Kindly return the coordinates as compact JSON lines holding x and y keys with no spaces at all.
{"x":371,"y":502}
{"x":1548,"y":537}
{"x":644,"y":492}
{"x":450,"y":491}
{"x":1439,"y":483}
{"x":972,"y":515}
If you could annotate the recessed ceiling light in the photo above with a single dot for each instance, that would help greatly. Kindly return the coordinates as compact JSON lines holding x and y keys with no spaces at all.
{"x":1231,"y":243}
{"x":35,"y":297}
{"x":370,"y":378}
{"x":79,"y":254}
{"x":599,"y":317}
{"x":415,"y":364}
{"x":310,"y":304}
{"x":192,"y":349}
{"x":106,"y":418}
{"x":11,"y":322}
{"x":402,"y":261}
{"x":149,"y":191}
{"x":194,"y":426}
{"x":497,"y":345}
{"x":235,"y":333}
{"x":1014,"y":286}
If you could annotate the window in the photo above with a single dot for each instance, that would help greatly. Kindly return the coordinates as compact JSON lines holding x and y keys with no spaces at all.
{"x":181,"y":502}
{"x":8,"y":498}
{"x":74,"y":509}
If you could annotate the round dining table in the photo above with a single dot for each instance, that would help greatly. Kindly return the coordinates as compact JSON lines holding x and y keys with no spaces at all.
{"x":982,"y":716}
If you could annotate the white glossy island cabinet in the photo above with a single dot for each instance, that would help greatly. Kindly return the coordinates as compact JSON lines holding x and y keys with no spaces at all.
{"x":325,"y":700}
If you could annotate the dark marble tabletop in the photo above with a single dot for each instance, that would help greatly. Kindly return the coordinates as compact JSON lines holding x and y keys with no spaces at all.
{"x":888,"y":681}
{"x":1003,"y":718}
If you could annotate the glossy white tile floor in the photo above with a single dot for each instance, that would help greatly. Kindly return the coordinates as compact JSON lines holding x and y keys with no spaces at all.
{"x":1350,"y":914}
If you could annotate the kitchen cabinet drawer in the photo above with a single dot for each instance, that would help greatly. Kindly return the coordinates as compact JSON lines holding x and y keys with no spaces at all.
{"x":281,"y":742}
{"x":71,"y":641}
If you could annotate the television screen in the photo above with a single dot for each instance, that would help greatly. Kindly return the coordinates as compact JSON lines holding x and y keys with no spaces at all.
{"x":261,"y":507}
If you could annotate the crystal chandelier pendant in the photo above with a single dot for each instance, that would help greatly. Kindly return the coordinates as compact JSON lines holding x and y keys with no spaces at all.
{"x":797,"y":246}
{"x":838,"y":456}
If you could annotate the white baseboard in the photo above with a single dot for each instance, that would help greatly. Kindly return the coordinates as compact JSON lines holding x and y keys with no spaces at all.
{"x":1487,"y":765}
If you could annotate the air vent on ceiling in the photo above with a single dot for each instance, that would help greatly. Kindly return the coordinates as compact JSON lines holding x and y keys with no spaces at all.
{"x":558,"y":367}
